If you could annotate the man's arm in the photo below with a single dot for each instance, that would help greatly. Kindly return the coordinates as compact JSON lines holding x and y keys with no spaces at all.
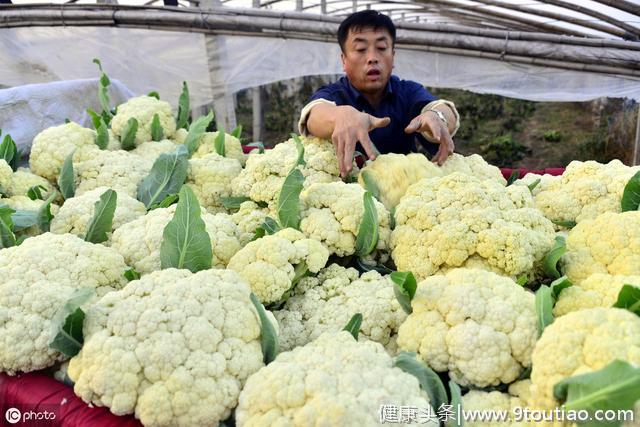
{"x":437,"y":122}
{"x":345,"y":126}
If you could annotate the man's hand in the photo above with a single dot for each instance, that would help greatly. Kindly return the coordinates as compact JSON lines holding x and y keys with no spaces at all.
{"x":431,"y":123}
{"x":351,"y":127}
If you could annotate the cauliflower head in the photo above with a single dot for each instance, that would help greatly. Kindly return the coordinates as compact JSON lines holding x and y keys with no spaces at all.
{"x":143,"y":108}
{"x":232,"y":146}
{"x":473,"y":165}
{"x":479,"y":326}
{"x":326,"y":303}
{"x":608,"y":244}
{"x":23,"y":180}
{"x":151,"y":150}
{"x":38,"y":277}
{"x":332,"y":381}
{"x":268,"y":264}
{"x":249,"y":217}
{"x":581,"y":342}
{"x":393,"y":173}
{"x":119,"y":170}
{"x":264,"y":174}
{"x":446,"y":222}
{"x":597,"y":290}
{"x":139,"y":240}
{"x":478,"y":401}
{"x":52,"y":146}
{"x":76,"y":213}
{"x":332,"y":214}
{"x":584,"y":191}
{"x":210,"y":179}
{"x":6,"y":178}
{"x":174,"y":348}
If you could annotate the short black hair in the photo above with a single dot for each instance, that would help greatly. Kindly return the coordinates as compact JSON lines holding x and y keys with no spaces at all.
{"x":365,"y":19}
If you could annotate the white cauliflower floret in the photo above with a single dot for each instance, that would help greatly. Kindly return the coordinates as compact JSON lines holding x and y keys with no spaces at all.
{"x":473,"y":165}
{"x":268,"y":263}
{"x":37,"y":279}
{"x":332,"y":381}
{"x":6,"y":178}
{"x":581,"y":342}
{"x":264,"y":174}
{"x":206,"y":146}
{"x":119,"y":170}
{"x":446,"y":222}
{"x":327,"y":302}
{"x":139,"y":241}
{"x":332,"y":214}
{"x":143,"y":108}
{"x":598,"y":290}
{"x":23,"y":180}
{"x":495,"y":402}
{"x":584,"y":191}
{"x":210,"y":179}
{"x":608,"y":244}
{"x":151,"y":150}
{"x":76,"y":213}
{"x":479,"y":326}
{"x":52,"y":146}
{"x":249,"y":217}
{"x":174,"y":348}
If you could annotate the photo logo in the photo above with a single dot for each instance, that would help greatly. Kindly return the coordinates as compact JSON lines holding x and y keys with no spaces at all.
{"x":13,"y":415}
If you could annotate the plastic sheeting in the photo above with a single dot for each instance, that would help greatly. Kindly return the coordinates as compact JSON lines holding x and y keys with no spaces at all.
{"x":26,"y":110}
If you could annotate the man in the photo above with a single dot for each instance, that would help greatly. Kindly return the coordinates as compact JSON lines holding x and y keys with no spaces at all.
{"x":370,"y":106}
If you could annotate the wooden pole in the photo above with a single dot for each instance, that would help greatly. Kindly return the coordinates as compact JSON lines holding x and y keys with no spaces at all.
{"x":636,"y":145}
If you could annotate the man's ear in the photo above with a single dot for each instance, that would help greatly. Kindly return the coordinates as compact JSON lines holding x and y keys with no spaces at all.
{"x":343,"y":58}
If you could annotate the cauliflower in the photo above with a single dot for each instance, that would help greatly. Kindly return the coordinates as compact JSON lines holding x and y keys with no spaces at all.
{"x":23,"y":203}
{"x":581,"y":342}
{"x":119,"y":170}
{"x":74,"y":216}
{"x":232,"y":146}
{"x":608,"y":244}
{"x":584,"y":191}
{"x":598,"y":290}
{"x":264,"y":174}
{"x":23,"y":180}
{"x":139,"y":241}
{"x":210,"y":179}
{"x":38,"y":277}
{"x":151,"y":150}
{"x":332,"y":381}
{"x":52,"y":146}
{"x":143,"y":108}
{"x":478,"y":402}
{"x":249,"y":217}
{"x":174,"y":348}
{"x":473,"y":165}
{"x":268,"y":263}
{"x":332,"y":214}
{"x":327,"y":302}
{"x":479,"y":326}
{"x":446,"y":222}
{"x":6,"y":178}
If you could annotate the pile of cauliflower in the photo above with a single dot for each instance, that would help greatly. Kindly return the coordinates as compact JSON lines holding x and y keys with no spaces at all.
{"x":178,"y":347}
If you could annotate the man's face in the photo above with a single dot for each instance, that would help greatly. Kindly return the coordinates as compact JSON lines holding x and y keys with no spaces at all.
{"x":368,"y":59}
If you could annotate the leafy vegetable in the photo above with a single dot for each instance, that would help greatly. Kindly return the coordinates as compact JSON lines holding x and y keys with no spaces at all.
{"x":367,"y":237}
{"x":237,"y":132}
{"x":456,"y":404}
{"x":370,"y":184}
{"x":68,"y":322}
{"x":166,"y":202}
{"x":44,"y":215}
{"x":550,"y":261}
{"x":629,"y":298}
{"x":268,"y":227}
{"x":544,"y":307}
{"x":154,"y":94}
{"x":288,"y":207}
{"x":9,"y":152}
{"x":565,"y":223}
{"x":167,"y":175}
{"x":429,"y":381}
{"x":185,"y":241}
{"x":353,"y":326}
{"x":157,"y":133}
{"x":533,"y":185}
{"x":103,"y":93}
{"x":268,"y":337}
{"x":35,"y":192}
{"x":66,"y":180}
{"x":102,"y":136}
{"x":96,"y":119}
{"x":196,"y":130}
{"x":7,"y":238}
{"x":183,"y":108}
{"x":128,"y":140}
{"x":259,"y":145}
{"x":615,"y":387}
{"x":515,"y":174}
{"x":218,"y":143}
{"x":631,"y":194}
{"x":300,"y":147}
{"x":102,"y":219}
{"x":131,"y":274}
{"x":404,"y":286}
{"x":558,"y":286}
{"x":522,"y":280}
{"x":233,"y":203}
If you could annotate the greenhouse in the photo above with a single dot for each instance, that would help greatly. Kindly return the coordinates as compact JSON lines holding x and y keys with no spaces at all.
{"x":320,"y":212}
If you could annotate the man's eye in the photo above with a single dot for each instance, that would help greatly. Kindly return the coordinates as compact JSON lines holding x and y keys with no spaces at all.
{"x":382,"y":48}
{"x":361,"y":50}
